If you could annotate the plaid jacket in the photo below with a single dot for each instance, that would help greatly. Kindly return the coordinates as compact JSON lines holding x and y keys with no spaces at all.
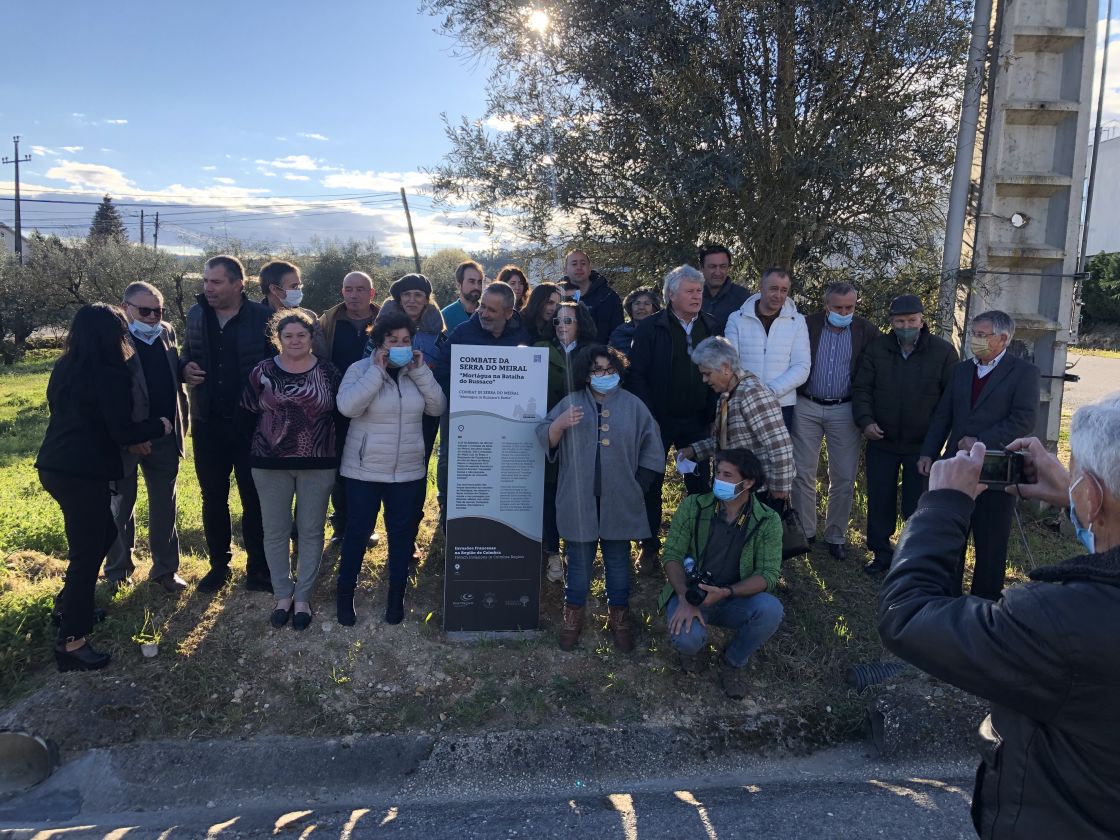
{"x":750,"y":417}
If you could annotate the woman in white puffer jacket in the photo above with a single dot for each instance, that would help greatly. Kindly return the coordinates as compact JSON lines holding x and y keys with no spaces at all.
{"x":386,"y":395}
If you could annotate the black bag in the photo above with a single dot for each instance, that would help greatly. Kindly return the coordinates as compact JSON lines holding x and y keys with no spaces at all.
{"x":794,"y":542}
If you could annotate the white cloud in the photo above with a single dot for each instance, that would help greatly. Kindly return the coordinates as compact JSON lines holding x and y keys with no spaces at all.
{"x":103,"y":149}
{"x":1112,"y":79}
{"x":500,"y":122}
{"x":378,"y":181}
{"x":288,"y":176}
{"x":266,"y":172}
{"x":77,"y":115}
{"x":90,"y":175}
{"x":43,"y":151}
{"x":72,"y":149}
{"x":209,"y":168}
{"x":222,"y":180}
{"x":302,"y":162}
{"x":116,"y":122}
{"x":313,"y":135}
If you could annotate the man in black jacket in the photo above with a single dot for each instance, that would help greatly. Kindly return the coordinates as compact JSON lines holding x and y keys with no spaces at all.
{"x":722,"y":296}
{"x":992,"y":399}
{"x":663,"y":376}
{"x":594,"y":292}
{"x":895,"y":390}
{"x":226,"y":338}
{"x":1043,"y":653}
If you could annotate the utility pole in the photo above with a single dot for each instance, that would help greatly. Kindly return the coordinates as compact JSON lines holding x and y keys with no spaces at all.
{"x":155,"y":234}
{"x":17,"y":160}
{"x":411,"y":235}
{"x":141,"y":228}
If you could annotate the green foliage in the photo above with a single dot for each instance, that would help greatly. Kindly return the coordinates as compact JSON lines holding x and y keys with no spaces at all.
{"x":439,"y":268}
{"x":1100,"y":293}
{"x":107,"y":224}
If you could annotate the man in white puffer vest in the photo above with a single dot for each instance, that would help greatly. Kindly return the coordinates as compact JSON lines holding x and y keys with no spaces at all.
{"x":772,"y":339}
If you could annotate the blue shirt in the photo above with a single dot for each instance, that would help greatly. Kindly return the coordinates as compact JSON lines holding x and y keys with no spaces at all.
{"x":831,"y":377}
{"x":454,"y":314}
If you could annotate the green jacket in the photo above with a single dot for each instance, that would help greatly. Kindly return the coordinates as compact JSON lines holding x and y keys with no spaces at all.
{"x":762,"y":553}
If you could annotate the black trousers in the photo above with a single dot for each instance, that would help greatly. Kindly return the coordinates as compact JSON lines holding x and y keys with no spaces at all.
{"x":991,"y":531}
{"x":882,"y":468}
{"x":90,"y":533}
{"x":219,"y":449}
{"x":677,"y":432}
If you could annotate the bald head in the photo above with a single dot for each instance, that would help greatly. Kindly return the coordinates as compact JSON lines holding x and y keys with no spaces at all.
{"x":357,"y":294}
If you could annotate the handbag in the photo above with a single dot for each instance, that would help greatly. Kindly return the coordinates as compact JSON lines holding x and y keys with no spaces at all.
{"x":794,"y":542}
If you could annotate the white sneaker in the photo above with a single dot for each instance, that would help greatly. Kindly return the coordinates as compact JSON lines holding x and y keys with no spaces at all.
{"x":555,"y":568}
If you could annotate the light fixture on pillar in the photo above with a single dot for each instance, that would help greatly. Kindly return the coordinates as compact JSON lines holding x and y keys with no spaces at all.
{"x":1019,"y":220}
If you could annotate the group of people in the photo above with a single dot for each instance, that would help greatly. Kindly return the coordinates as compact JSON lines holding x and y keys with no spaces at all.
{"x":343,"y":410}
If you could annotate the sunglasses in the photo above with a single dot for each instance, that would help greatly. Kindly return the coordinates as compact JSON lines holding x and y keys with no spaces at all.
{"x":147,"y":311}
{"x":566,"y":320}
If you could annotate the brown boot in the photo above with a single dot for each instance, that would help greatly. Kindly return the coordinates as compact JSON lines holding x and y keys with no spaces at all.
{"x":649,"y":560}
{"x":571,"y":627}
{"x":618,"y":622}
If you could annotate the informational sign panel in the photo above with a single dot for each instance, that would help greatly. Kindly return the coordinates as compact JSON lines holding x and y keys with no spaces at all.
{"x":495,"y":488}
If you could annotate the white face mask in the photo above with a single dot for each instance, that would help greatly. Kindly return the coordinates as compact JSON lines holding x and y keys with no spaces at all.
{"x":148,"y":333}
{"x":293,"y":297}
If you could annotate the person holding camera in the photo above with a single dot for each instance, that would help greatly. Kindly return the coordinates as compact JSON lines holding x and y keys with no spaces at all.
{"x":723,"y":557}
{"x":993,"y":400}
{"x":1043,"y":653}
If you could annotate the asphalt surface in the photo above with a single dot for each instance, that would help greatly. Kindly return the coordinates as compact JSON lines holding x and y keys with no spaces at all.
{"x":845,"y":792}
{"x":1100,"y":376}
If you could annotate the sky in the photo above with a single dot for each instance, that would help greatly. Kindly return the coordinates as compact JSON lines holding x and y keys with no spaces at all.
{"x":271,"y":122}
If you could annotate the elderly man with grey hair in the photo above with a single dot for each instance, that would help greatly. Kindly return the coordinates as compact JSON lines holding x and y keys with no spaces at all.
{"x":1043,"y":653}
{"x":157,"y":391}
{"x":663,"y":376}
{"x":993,"y":400}
{"x":748,"y":416}
{"x":837,"y":340}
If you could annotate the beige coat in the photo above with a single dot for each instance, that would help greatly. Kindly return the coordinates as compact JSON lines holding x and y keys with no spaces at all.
{"x":385,"y":442}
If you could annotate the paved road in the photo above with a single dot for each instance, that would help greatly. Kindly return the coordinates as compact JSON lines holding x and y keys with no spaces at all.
{"x":843,"y":792}
{"x":1100,"y":376}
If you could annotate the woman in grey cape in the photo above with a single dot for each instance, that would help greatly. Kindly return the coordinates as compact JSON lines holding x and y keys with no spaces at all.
{"x":610,"y":451}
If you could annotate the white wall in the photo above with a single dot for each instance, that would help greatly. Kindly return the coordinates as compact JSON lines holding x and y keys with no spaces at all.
{"x":1104,"y":218}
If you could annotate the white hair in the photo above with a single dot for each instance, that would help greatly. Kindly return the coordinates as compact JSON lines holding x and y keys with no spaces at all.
{"x":713,"y":351}
{"x":680,"y":274}
{"x":1092,"y":440}
{"x":1002,"y":323}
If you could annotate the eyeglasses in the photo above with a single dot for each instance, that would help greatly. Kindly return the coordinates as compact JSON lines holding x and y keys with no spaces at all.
{"x":601,"y":371}
{"x":565,"y":320}
{"x":982,"y":335}
{"x":146,"y":311}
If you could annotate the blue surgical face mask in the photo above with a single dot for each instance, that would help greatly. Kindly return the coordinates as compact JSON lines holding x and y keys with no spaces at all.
{"x":148,"y":333}
{"x":840,"y":321}
{"x":400,"y":356}
{"x":725,"y":490}
{"x":1085,"y":535}
{"x":606,"y":383}
{"x":293,"y":297}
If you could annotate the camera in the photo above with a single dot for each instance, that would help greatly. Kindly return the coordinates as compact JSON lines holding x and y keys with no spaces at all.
{"x":694,"y":594}
{"x":1002,"y":468}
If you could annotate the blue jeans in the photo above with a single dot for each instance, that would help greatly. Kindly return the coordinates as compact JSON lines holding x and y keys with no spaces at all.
{"x":363,"y":502}
{"x":616,"y":564}
{"x":755,"y":618}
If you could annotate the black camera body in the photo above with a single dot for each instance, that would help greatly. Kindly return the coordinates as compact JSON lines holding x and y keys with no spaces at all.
{"x":694,"y":594}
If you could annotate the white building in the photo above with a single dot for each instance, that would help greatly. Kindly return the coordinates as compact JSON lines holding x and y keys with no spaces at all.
{"x":1104,"y":216}
{"x":8,"y":241}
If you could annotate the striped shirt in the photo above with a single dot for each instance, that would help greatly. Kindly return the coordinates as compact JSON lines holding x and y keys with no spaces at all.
{"x":831,"y":377}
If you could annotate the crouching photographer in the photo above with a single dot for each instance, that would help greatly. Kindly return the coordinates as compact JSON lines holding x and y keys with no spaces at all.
{"x":722,"y":557}
{"x":1044,"y":654}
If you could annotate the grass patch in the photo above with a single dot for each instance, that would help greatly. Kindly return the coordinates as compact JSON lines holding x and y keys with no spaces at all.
{"x":222,"y":671}
{"x":1094,"y":351}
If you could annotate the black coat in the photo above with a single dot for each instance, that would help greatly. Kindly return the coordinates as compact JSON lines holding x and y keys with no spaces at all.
{"x":1006,"y":410}
{"x":900,"y":394}
{"x":91,"y":419}
{"x":253,"y":346}
{"x":651,"y":361}
{"x":140,"y":405}
{"x":725,"y":303}
{"x":1044,"y":655}
{"x":604,"y":304}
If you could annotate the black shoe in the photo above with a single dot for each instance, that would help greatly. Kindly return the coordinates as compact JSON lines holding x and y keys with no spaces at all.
{"x":84,"y":658}
{"x":258,"y":583}
{"x":280,"y":616}
{"x":301,"y":621}
{"x":345,"y":608}
{"x":812,"y":541}
{"x":838,"y":551}
{"x":394,"y":610}
{"x":880,"y":564}
{"x":214,"y":580}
